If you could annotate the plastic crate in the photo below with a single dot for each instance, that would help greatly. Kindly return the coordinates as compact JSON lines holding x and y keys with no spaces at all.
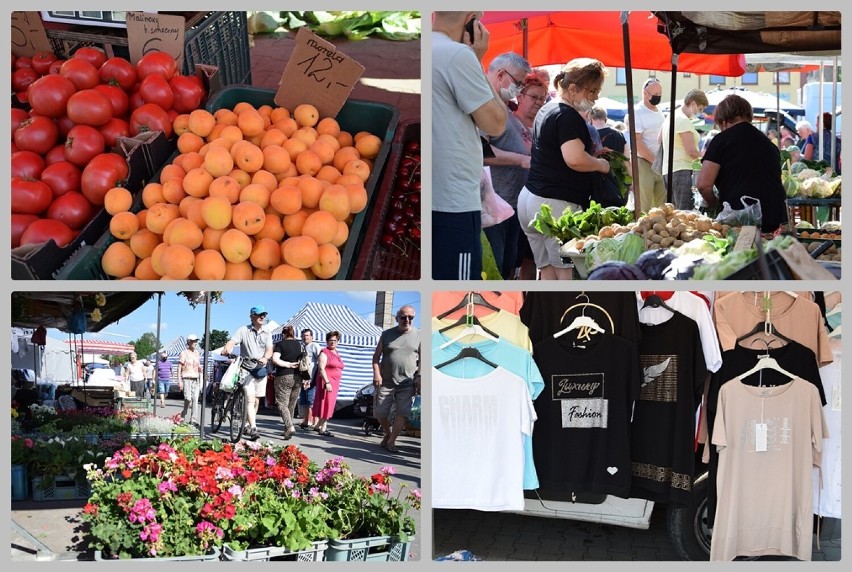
{"x":356,"y":115}
{"x":212,"y":556}
{"x":61,"y":488}
{"x":376,"y":261}
{"x":373,"y":549}
{"x":134,"y":404}
{"x":314,"y":553}
{"x":776,"y":268}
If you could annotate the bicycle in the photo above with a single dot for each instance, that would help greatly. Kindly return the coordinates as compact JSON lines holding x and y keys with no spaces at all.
{"x":231,"y":405}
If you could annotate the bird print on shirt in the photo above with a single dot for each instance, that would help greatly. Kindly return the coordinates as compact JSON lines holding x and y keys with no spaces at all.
{"x":652,"y":372}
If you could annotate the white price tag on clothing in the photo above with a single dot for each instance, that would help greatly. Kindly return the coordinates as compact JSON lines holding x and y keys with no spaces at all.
{"x":760,"y":435}
{"x":835,"y":398}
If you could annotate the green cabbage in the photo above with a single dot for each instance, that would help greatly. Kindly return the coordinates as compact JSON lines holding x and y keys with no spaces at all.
{"x":627,"y":247}
{"x":791,"y":185}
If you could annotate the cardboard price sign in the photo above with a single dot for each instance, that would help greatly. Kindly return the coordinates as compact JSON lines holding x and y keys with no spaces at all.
{"x":28,"y":34}
{"x":148,"y":32}
{"x":746,"y":238}
{"x":318,"y":74}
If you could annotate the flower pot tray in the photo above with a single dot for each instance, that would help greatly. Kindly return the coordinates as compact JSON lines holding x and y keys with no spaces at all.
{"x":61,"y":488}
{"x":313,"y":553}
{"x":213,"y":555}
{"x":375,"y":548}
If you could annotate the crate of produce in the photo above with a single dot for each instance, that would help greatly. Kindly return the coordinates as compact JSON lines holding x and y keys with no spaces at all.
{"x":356,"y":115}
{"x":775,"y":268}
{"x":44,"y":261}
{"x":61,"y":488}
{"x":385,"y":260}
{"x":211,"y":38}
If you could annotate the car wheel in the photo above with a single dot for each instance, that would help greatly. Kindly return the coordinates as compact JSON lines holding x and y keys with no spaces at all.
{"x":688,"y":528}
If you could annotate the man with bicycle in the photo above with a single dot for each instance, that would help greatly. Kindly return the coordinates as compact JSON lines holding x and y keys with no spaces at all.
{"x":255,"y":351}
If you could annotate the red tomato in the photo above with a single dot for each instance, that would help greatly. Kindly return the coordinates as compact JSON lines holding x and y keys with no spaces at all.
{"x":159,"y":63}
{"x":37,"y":134}
{"x":104,"y":172}
{"x":62,"y":177}
{"x":30,"y":196}
{"x":23,"y":77}
{"x":113,"y":129}
{"x":150,"y":117}
{"x":73,"y":209}
{"x":136,"y":100}
{"x":117,"y":97}
{"x":155,"y":89}
{"x":23,"y":62}
{"x":89,"y":107}
{"x":18,"y":117}
{"x":81,"y":73}
{"x":49,"y":95}
{"x":189,"y":92}
{"x":27,"y":164}
{"x":118,"y":71}
{"x":83,"y":144}
{"x":56,"y":154}
{"x":65,"y":125}
{"x":20,"y":222}
{"x":42,"y":61}
{"x":55,"y":67}
{"x":46,"y":229}
{"x":94,"y":56}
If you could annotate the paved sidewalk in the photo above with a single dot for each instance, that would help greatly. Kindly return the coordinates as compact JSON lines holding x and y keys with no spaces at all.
{"x":58,"y":525}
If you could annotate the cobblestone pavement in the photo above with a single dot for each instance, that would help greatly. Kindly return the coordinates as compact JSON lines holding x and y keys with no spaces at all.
{"x":515,"y":537}
{"x":57,"y":523}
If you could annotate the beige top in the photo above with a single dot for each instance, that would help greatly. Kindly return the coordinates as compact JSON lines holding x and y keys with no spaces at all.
{"x":799,"y":319}
{"x":765,"y":502}
{"x":190,"y":365}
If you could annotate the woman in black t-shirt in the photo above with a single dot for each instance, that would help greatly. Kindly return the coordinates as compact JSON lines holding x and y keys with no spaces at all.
{"x":742,"y":161}
{"x":287,"y":382}
{"x":561,"y":161}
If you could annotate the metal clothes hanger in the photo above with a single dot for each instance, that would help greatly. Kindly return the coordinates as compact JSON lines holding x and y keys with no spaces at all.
{"x":472,"y":328}
{"x":470,"y":298}
{"x":467,"y":352}
{"x":584,"y":323}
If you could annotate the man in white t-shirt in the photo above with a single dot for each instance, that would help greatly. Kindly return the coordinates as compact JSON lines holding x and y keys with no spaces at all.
{"x":647,"y":122}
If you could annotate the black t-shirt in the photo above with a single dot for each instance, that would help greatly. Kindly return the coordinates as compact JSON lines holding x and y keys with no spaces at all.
{"x":290,"y":350}
{"x":793,"y":357}
{"x":662,"y":446}
{"x":549,"y":177}
{"x":612,"y":139}
{"x":581,"y":441}
{"x":749,"y":165}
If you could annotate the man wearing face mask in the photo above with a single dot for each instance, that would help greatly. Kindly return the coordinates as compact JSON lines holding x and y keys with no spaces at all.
{"x":647,"y":122}
{"x":685,"y":149}
{"x":463,"y":102}
{"x":511,"y":162}
{"x":563,"y":160}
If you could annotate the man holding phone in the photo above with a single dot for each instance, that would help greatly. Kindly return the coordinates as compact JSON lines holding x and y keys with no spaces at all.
{"x":463,"y":100}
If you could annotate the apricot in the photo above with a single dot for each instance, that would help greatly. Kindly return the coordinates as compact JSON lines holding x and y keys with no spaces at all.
{"x":345,"y":139}
{"x":187,"y":233}
{"x":145,"y":270}
{"x":143,"y":242}
{"x":357,"y":197}
{"x":197,"y":182}
{"x":342,"y":234}
{"x":238,"y":270}
{"x":306,"y":114}
{"x":308,"y":135}
{"x":293,"y":223}
{"x":189,"y":141}
{"x":255,"y":193}
{"x":123,"y":225}
{"x":286,"y":199}
{"x":359,"y":168}
{"x":265,"y":178}
{"x":210,"y":265}
{"x":218,"y":161}
{"x":329,"y":262}
{"x":157,"y":258}
{"x":117,"y":200}
{"x":178,"y":261}
{"x":272,"y":228}
{"x":287,"y":272}
{"x":227,"y":187}
{"x":251,"y":123}
{"x":160,"y":215}
{"x":265,"y":254}
{"x":216,"y":212}
{"x":328,"y":125}
{"x":321,"y":226}
{"x":272,"y":136}
{"x":173,"y":191}
{"x":118,"y":260}
{"x":247,"y":156}
{"x":235,"y":245}
{"x":335,"y":200}
{"x":276,"y":159}
{"x":300,"y":251}
{"x":212,"y":238}
{"x":152,"y":193}
{"x":201,"y":122}
{"x":343,"y":156}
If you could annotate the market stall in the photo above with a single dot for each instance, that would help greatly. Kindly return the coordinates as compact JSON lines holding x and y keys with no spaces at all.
{"x":142,"y":123}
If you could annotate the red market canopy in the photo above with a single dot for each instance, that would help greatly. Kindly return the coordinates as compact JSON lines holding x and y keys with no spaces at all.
{"x":557,"y":37}
{"x":99,"y":347}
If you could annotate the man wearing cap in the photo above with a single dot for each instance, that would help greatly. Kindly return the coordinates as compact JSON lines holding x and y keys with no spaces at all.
{"x":189,"y":379}
{"x":648,"y":120}
{"x":164,"y":374}
{"x":255,"y":349}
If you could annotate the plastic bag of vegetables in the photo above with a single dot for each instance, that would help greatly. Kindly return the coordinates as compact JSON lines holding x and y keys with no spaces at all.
{"x":625,"y":247}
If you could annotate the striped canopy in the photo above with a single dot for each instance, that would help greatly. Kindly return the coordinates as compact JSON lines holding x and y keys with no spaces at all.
{"x":358,"y":339}
{"x":102,"y":347}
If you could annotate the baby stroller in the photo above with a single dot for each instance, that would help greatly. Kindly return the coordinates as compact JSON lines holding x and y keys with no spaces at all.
{"x":362,"y":405}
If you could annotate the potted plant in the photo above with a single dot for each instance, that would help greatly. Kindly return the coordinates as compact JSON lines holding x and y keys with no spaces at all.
{"x":57,"y":466}
{"x":21,"y":456}
{"x":373,"y":521}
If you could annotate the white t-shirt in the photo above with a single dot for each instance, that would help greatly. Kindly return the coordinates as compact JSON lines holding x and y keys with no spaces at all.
{"x":135,"y":371}
{"x":478,"y":426}
{"x":647,"y":124}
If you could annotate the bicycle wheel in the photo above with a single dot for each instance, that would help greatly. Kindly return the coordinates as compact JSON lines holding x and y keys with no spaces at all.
{"x":238,"y":415}
{"x":217,"y":410}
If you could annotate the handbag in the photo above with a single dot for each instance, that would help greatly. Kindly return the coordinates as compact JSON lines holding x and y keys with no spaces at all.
{"x":304,"y":366}
{"x":606,"y":191}
{"x":231,"y":377}
{"x":657,"y":165}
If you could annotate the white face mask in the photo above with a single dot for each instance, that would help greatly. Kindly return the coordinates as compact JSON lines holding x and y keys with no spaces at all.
{"x":584,"y":105}
{"x":509,"y":93}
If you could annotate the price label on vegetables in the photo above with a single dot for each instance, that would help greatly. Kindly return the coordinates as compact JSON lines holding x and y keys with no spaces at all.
{"x":317,"y":73}
{"x":28,"y":35}
{"x":147,"y":32}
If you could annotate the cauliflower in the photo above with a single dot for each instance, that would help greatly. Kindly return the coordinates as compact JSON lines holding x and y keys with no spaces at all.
{"x":816,"y":188}
{"x":807,"y":174}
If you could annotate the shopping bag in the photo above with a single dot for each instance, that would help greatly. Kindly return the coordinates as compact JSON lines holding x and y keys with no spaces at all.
{"x":495,"y":209}
{"x":304,"y":366}
{"x":231,"y":377}
{"x":749,"y":215}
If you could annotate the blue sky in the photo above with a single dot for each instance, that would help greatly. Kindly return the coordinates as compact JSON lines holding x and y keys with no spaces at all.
{"x":178,"y":318}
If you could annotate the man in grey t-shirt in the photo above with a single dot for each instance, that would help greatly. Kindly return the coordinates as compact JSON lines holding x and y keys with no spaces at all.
{"x":396,"y":375}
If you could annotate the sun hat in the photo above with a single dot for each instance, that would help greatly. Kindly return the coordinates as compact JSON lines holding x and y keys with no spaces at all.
{"x":192,"y":338}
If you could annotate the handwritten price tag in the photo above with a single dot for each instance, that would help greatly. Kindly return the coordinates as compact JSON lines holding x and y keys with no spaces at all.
{"x":318,"y":74}
{"x":148,"y":32}
{"x":28,"y":35}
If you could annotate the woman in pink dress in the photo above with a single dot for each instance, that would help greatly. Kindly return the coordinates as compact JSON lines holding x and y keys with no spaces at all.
{"x":330,"y":368}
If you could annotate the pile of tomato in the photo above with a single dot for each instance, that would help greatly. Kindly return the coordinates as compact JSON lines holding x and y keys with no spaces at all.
{"x":71,"y":113}
{"x":401,"y":230}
